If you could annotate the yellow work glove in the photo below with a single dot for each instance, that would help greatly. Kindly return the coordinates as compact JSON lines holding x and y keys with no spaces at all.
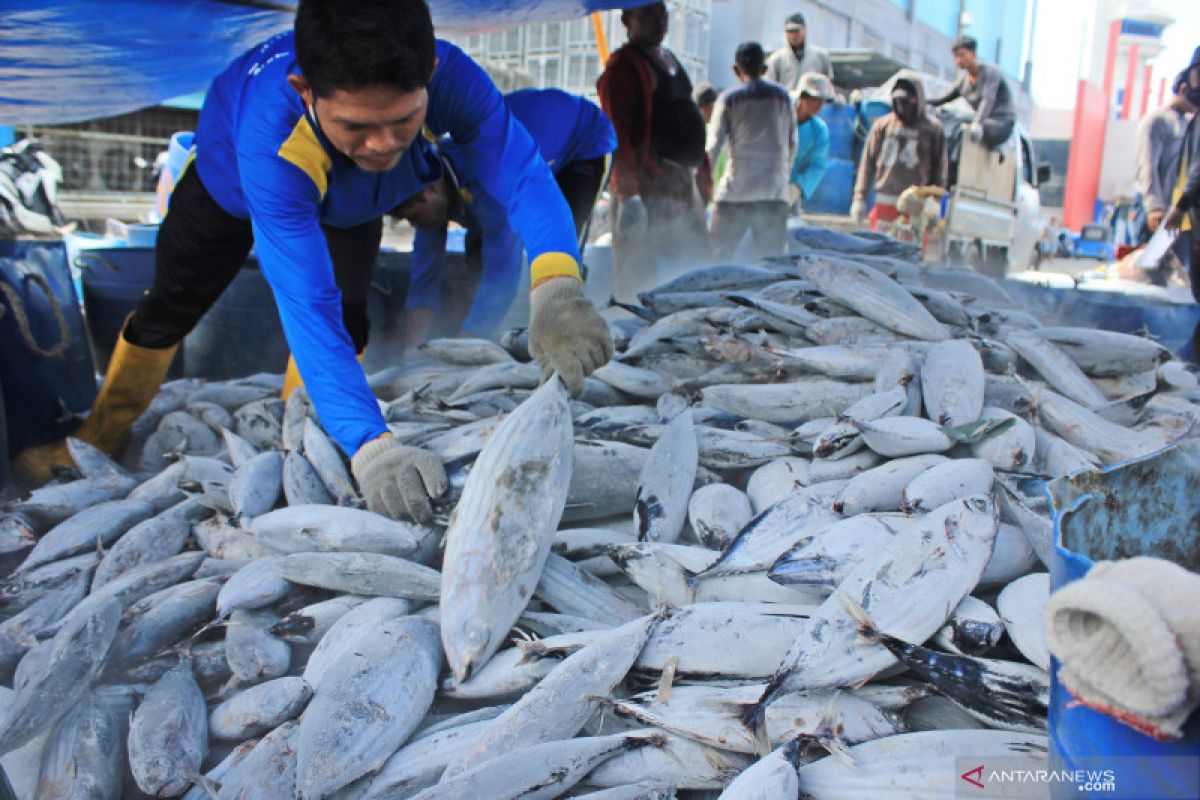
{"x":396,"y":480}
{"x":566,"y":334}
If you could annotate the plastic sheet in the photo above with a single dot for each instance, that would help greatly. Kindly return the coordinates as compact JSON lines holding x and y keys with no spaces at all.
{"x":70,"y":60}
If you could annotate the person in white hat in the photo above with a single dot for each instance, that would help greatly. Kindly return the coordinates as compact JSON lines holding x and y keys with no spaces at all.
{"x":812,"y":135}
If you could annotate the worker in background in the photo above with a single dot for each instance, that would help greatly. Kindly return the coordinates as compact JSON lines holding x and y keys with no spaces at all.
{"x":904,"y":148}
{"x":706,"y":99}
{"x":303,"y":144}
{"x":984,"y":88}
{"x":574,"y":138}
{"x":789,"y":63}
{"x":1159,"y":144}
{"x":661,"y":175}
{"x":812,"y":136}
{"x":1185,"y":213}
{"x":757,"y":122}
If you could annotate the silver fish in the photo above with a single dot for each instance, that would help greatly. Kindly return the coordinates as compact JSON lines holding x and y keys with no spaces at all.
{"x":367,"y":705}
{"x":952,"y":383}
{"x":73,"y":660}
{"x":665,"y":483}
{"x":325,"y":458}
{"x":501,"y":531}
{"x":910,"y":590}
{"x":85,"y":755}
{"x":161,"y":619}
{"x":168,"y":734}
{"x":361,"y":573}
{"x":259,"y":709}
{"x":256,"y":485}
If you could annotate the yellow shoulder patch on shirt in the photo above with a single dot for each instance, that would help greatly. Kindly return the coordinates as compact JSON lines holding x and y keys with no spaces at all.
{"x":552,"y":265}
{"x":303,"y":150}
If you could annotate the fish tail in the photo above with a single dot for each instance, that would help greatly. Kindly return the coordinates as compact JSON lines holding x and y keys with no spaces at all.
{"x":754,"y":715}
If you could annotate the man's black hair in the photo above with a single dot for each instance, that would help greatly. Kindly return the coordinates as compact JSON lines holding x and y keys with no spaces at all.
{"x":705,"y":95}
{"x":750,"y":58}
{"x":625,"y":12}
{"x":965,"y":43}
{"x":347,"y":46}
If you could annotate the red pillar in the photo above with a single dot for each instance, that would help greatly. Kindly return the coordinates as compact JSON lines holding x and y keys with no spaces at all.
{"x":1130,"y":77}
{"x":1092,"y":109}
{"x":1146,"y":73}
{"x":1110,"y":64}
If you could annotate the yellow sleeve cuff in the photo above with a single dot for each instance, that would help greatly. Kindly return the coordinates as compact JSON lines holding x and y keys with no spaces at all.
{"x":552,"y":265}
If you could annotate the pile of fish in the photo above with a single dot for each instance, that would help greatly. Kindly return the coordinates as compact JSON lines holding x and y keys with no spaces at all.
{"x":790,"y":540}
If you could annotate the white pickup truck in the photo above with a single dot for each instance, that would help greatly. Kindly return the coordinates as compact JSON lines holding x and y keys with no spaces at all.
{"x":993,"y":214}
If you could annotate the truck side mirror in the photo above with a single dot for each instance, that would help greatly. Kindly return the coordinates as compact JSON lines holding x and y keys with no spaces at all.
{"x":1044,"y":173}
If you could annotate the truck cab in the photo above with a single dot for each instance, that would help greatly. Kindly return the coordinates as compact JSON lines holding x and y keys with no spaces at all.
{"x":992,"y":218}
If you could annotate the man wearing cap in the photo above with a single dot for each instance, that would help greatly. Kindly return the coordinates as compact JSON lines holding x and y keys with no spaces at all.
{"x":1187,"y":190}
{"x":787,"y":64}
{"x":812,"y":135}
{"x":756,"y":121}
{"x":904,"y":148}
{"x":983,"y":86}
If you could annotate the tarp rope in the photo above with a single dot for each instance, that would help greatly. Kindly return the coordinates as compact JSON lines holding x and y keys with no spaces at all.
{"x":60,"y":319}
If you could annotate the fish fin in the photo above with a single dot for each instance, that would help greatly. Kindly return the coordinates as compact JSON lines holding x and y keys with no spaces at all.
{"x":667,"y":680}
{"x":862,"y":620}
{"x":208,"y":785}
{"x":837,"y":748}
{"x":521,"y":635}
{"x":692,"y":579}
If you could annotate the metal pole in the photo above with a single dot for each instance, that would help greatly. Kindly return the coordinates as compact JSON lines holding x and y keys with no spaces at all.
{"x":601,"y":37}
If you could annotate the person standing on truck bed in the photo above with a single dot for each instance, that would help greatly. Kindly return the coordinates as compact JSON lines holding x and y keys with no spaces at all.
{"x":661,"y":175}
{"x":904,"y":148}
{"x":789,"y":63}
{"x":984,"y":87}
{"x":755,"y":120}
{"x":303,"y":144}
{"x":1185,"y":214}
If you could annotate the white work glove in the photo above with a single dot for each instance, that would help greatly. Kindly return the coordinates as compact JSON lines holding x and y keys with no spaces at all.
{"x":858,"y":210}
{"x":631,"y":217}
{"x":1128,"y":638}
{"x":566,"y":334}
{"x":398,"y":481}
{"x":975,"y":132}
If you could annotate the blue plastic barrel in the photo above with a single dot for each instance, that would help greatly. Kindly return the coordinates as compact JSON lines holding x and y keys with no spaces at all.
{"x":240,"y":335}
{"x":834,"y":192}
{"x":1148,"y":506}
{"x":113,"y":280}
{"x":45,"y":363}
{"x":840,"y":118}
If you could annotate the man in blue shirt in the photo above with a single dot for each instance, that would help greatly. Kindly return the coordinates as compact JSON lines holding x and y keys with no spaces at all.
{"x":812,"y":135}
{"x":303,"y":144}
{"x":574,"y":138}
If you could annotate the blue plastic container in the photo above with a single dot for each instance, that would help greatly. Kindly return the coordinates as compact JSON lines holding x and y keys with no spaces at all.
{"x":113,"y":281}
{"x":1148,"y":506}
{"x":42,"y":389}
{"x":835,"y":191}
{"x":240,"y":335}
{"x":839,"y":118}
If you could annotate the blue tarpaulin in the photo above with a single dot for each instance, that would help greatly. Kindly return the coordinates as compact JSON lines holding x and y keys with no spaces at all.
{"x":74,"y":60}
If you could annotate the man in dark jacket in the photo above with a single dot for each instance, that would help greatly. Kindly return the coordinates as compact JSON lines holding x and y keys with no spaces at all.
{"x":904,"y":148}
{"x":1187,"y":192}
{"x":660,"y":171}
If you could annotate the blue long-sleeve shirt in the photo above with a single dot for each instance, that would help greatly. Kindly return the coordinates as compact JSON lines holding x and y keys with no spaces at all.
{"x":812,"y":155}
{"x":262,"y":156}
{"x":566,"y":129}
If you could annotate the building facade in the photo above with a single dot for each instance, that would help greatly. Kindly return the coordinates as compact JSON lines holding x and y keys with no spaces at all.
{"x":567,"y":54}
